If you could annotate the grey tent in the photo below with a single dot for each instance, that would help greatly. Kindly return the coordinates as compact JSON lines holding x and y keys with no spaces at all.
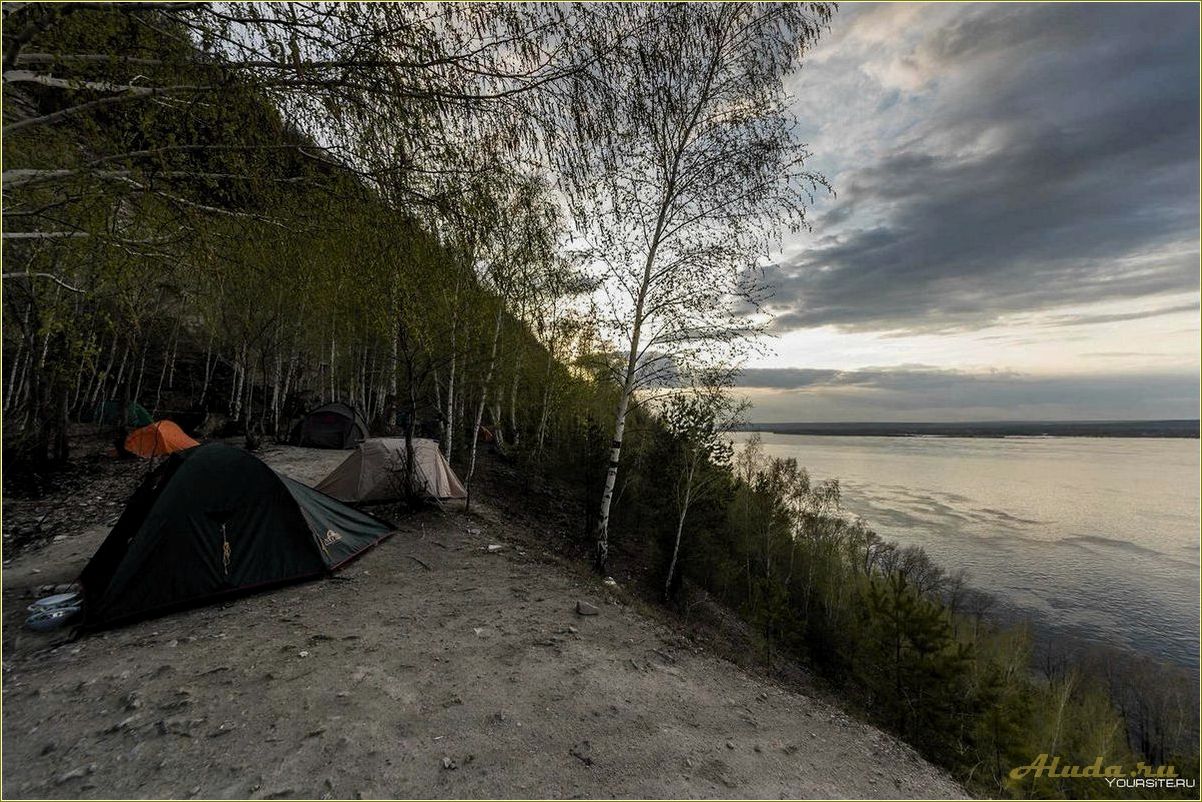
{"x":375,"y":471}
{"x":333,"y":425}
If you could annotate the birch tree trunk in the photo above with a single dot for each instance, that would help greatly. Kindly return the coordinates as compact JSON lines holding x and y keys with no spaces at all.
{"x":513,"y":396}
{"x":545,"y":412}
{"x":103,"y":377}
{"x":442,"y":428}
{"x":158,"y":390}
{"x":12,"y":376}
{"x":392,"y":378}
{"x":628,"y":383}
{"x":475,"y":439}
{"x":333,"y":356}
{"x":141,"y":373}
{"x":684,"y":511}
{"x":174,"y":354}
{"x":204,"y":390}
{"x":121,"y":369}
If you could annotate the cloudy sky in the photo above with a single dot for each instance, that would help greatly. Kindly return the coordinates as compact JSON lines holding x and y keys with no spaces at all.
{"x":1014,"y":233}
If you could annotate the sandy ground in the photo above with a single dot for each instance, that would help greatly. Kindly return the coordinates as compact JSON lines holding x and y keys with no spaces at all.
{"x":431,"y":667}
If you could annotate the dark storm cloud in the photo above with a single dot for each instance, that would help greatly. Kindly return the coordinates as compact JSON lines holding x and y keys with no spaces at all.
{"x":1052,"y":159}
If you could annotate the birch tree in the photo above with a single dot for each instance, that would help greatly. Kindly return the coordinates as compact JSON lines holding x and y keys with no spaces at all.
{"x":683,"y":180}
{"x":699,"y":421}
{"x":510,"y":226}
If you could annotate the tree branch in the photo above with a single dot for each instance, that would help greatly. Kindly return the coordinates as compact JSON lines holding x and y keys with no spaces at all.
{"x":50,"y":276}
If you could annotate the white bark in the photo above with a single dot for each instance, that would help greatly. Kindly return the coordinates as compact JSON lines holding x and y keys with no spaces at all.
{"x":684,"y":511}
{"x":204,"y":390}
{"x":475,"y":438}
{"x":513,"y":396}
{"x":12,"y":376}
{"x":100,"y":379}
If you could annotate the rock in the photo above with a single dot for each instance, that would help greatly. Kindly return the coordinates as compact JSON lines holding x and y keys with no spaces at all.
{"x":449,"y":764}
{"x":584,"y":608}
{"x":493,"y":548}
{"x":75,"y":774}
{"x":759,"y":748}
{"x":177,"y":725}
{"x":730,"y":744}
{"x":609,"y":580}
{"x":303,"y":653}
{"x":223,"y":729}
{"x":122,"y":724}
{"x":177,"y":704}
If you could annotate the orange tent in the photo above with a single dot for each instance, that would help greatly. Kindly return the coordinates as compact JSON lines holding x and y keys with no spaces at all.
{"x":157,"y":439}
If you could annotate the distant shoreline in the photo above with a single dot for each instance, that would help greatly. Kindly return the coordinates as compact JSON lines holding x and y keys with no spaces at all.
{"x":988,"y":429}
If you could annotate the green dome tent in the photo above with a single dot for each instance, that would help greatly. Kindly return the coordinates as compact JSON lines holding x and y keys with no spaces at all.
{"x":108,"y":413}
{"x":335,"y":425}
{"x":216,"y":521}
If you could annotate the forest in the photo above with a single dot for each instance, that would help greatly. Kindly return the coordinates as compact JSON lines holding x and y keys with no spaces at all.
{"x":547,"y":221}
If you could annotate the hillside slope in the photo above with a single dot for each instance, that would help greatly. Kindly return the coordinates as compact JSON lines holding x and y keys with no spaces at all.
{"x":430,"y":668}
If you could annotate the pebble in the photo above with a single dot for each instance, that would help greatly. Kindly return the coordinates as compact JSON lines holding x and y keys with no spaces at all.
{"x":449,"y":764}
{"x":122,"y":724}
{"x":75,"y":774}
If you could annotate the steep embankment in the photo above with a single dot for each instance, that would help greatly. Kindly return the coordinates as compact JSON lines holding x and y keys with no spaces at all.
{"x":430,"y":668}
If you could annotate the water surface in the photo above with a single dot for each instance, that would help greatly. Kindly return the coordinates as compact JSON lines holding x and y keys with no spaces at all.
{"x":1093,"y":537}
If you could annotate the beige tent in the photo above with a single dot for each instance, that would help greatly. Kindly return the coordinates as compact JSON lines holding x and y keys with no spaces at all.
{"x":375,"y":471}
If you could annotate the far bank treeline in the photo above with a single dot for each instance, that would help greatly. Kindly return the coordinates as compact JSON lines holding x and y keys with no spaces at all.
{"x":236,"y":212}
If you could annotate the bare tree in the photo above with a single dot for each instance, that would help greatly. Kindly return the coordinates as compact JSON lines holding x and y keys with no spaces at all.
{"x":682,"y":173}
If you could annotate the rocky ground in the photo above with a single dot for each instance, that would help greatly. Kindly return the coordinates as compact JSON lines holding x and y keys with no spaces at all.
{"x":435,"y":666}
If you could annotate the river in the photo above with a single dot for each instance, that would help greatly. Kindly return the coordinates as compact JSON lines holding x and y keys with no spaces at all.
{"x":1095,"y":538}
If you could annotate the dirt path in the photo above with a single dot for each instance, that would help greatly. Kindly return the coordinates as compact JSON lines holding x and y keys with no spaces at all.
{"x":430,"y":668}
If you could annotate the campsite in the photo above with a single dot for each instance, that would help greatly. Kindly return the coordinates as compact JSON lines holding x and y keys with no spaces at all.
{"x":433,"y":666}
{"x":378,"y":384}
